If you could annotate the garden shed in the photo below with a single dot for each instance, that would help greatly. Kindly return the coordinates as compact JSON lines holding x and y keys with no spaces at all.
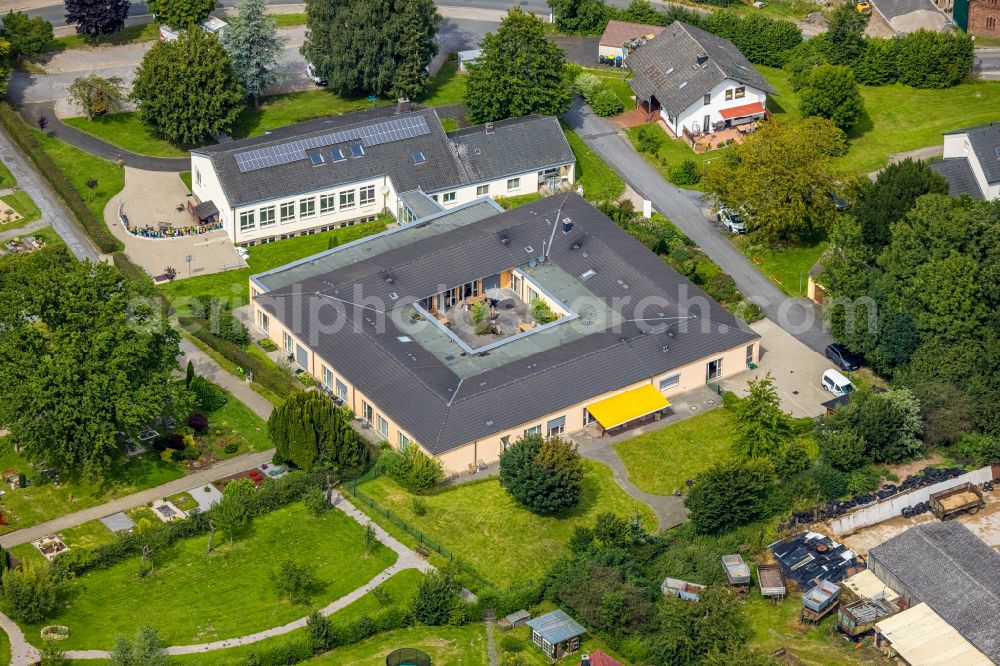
{"x":556,"y":633}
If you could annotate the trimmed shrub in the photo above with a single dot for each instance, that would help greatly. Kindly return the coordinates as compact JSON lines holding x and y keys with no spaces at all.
{"x":207,"y":395}
{"x":685,"y":173}
{"x":587,"y":84}
{"x":606,"y":103}
{"x":197,"y":421}
{"x":928,"y":59}
{"x":650,"y":139}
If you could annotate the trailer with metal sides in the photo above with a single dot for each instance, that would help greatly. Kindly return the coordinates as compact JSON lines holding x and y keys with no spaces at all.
{"x":819,"y":601}
{"x":964,"y":498}
{"x":737,"y":573}
{"x":771,"y":581}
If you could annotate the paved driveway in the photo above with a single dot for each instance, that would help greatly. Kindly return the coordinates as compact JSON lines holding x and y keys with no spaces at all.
{"x":795,"y":367}
{"x":798,"y":316}
{"x":905,"y":16}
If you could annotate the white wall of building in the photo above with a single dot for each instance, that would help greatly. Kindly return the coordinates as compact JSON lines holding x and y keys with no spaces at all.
{"x":206,"y":186}
{"x":513,"y":186}
{"x":696,"y":112}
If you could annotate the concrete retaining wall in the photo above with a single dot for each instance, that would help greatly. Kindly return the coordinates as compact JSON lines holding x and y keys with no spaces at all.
{"x":893,"y":506}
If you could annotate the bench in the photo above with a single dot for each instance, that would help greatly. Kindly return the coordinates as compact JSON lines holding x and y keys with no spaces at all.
{"x":422,"y":552}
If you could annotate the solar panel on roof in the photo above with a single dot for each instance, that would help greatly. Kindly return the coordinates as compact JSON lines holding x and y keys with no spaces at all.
{"x":375,"y":134}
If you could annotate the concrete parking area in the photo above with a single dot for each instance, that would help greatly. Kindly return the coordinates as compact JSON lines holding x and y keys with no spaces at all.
{"x":153,"y":198}
{"x":796,"y":369}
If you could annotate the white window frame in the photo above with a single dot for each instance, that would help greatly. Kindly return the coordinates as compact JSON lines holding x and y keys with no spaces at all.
{"x":513,"y":184}
{"x":263,"y":321}
{"x":383,"y":425}
{"x":533,"y":430}
{"x":347,"y":199}
{"x":197,"y":176}
{"x":288,"y":342}
{"x":327,"y":377}
{"x":367,"y":196}
{"x":248,"y":220}
{"x":558,"y":429}
{"x":267,"y":218}
{"x":287,"y":211}
{"x":307,"y":207}
{"x":482,"y":190}
{"x":367,"y":412}
{"x":449,"y":197}
{"x":341,"y":389}
{"x":404,"y":442}
{"x":670,"y":381}
{"x":327,"y":203}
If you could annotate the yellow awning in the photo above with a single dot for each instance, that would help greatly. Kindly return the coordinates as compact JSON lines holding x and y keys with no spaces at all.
{"x":628,"y":406}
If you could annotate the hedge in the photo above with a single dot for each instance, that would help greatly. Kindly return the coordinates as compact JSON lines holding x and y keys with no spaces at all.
{"x":271,"y":496}
{"x":21,"y":133}
{"x":269,"y":376}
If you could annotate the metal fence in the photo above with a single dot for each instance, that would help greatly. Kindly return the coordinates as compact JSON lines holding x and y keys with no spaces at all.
{"x":422,"y":539}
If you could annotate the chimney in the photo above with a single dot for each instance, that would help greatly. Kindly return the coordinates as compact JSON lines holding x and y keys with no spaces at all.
{"x":567,"y":225}
{"x":489,"y":128}
{"x":702,"y":59}
{"x":402,"y":105}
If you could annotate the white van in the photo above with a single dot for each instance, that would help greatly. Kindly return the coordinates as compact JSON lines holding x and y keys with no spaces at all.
{"x":836,"y":383}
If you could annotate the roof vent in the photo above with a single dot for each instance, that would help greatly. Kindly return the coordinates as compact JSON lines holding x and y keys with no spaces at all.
{"x":669,"y":72}
{"x":532,"y":263}
{"x":682,"y":85}
{"x":489,"y":128}
{"x":489,"y":423}
{"x":702,"y":59}
{"x":664,"y":349}
{"x":393,"y":295}
{"x":529,"y":249}
{"x":575,"y":246}
{"x":504,"y":240}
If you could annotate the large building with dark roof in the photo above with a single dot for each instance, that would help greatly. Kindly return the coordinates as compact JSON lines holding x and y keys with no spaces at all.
{"x":952,"y":571}
{"x":333,"y":172}
{"x":971,"y":163}
{"x":696,"y":81}
{"x":468,"y":328}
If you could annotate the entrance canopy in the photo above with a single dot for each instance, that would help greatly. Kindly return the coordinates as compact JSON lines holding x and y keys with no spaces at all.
{"x":742,"y":111}
{"x":628,"y":406}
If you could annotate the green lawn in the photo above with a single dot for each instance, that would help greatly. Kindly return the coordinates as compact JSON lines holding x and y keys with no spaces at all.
{"x":449,"y":124}
{"x":126,"y":131}
{"x":599,"y":181}
{"x":80,"y":167}
{"x":672,"y":152}
{"x":147,"y":32}
{"x":899,"y":118}
{"x":660,"y":462}
{"x":235,"y":422}
{"x":282,"y":110}
{"x":445,"y":87}
{"x":6,"y":180}
{"x":504,"y":541}
{"x":192,"y":598}
{"x":617,"y":80}
{"x":289,"y":20}
{"x":21,"y":203}
{"x":42,"y":501}
{"x":455,"y":646}
{"x":778,"y":626}
{"x":91,"y":534}
{"x":4,"y":649}
{"x":400,"y":588}
{"x":789,"y":262}
{"x":233,"y":285}
{"x":186,"y":179}
{"x":183,"y":501}
{"x":47,"y":234}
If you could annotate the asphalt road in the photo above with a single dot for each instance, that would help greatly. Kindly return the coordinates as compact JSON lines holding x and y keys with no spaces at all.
{"x":987,"y":63}
{"x":798,"y":316}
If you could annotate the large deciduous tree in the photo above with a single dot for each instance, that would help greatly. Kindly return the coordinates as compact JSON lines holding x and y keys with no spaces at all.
{"x":845,"y":41}
{"x":97,"y":94}
{"x":831,"y":92}
{"x":97,"y":17}
{"x":181,"y":14}
{"x":519,"y":72}
{"x":27,"y":36}
{"x":379,"y":46}
{"x":31,"y":592}
{"x":545,"y":475}
{"x":781,"y":177}
{"x":186,"y":89}
{"x":253,"y":43}
{"x":309,"y":431}
{"x":4,"y":65}
{"x":83,"y":357}
{"x":729,"y":495}
{"x":580,"y":17}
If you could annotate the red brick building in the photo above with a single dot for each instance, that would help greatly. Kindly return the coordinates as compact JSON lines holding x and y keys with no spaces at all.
{"x":978,"y":17}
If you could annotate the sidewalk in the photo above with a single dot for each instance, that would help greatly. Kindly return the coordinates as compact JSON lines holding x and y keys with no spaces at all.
{"x":210,"y":370}
{"x":199,"y":478}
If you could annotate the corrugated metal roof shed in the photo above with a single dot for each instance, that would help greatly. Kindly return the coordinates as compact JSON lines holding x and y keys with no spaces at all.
{"x":923,"y":638}
{"x":556,"y":627}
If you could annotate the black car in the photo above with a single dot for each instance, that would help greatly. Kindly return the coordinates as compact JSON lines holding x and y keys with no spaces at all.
{"x":843,"y":357}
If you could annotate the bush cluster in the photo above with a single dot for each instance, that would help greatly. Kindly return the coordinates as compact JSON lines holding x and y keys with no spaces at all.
{"x":411,"y":468}
{"x":602,"y":99}
{"x":207,"y":395}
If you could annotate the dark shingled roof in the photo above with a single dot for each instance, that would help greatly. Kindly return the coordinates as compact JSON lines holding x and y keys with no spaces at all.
{"x":428,"y":399}
{"x":517,"y":145}
{"x":667,"y":67}
{"x":955,"y":573}
{"x":961,"y":180}
{"x":985,"y":141}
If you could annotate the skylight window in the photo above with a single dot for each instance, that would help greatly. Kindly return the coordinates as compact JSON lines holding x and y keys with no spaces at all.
{"x":316,"y":159}
{"x":357,"y":150}
{"x":337,"y":155}
{"x":669,"y":72}
{"x":587,"y":274}
{"x":683,"y":83}
{"x":404,"y":338}
{"x":418,"y":157}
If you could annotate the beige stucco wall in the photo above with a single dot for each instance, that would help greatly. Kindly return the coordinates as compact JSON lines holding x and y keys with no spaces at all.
{"x":487,"y":450}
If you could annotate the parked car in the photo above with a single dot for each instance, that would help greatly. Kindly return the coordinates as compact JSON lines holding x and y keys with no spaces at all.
{"x":843,"y":357}
{"x":836,"y":383}
{"x":731,"y":220}
{"x":311,"y":73}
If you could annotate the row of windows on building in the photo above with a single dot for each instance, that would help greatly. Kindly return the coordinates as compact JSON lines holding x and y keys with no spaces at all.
{"x":268,"y":216}
{"x":309,"y":232}
{"x":513,"y":184}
